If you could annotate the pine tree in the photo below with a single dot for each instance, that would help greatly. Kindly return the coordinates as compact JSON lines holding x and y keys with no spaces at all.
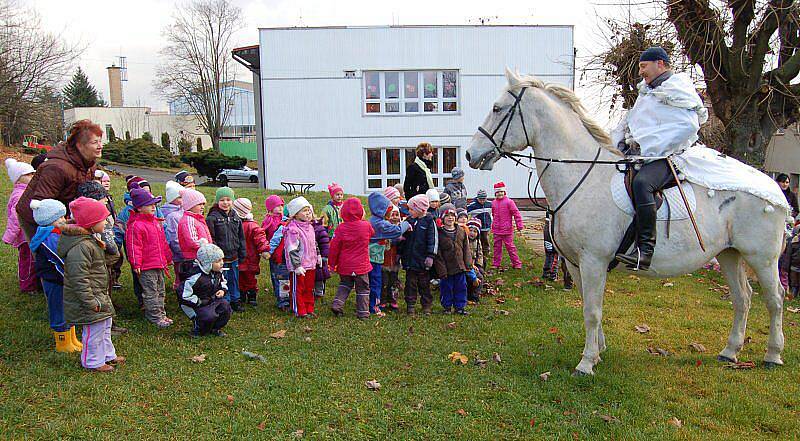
{"x":80,"y":92}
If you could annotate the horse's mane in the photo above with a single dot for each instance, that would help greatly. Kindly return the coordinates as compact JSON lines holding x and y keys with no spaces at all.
{"x":568,"y":97}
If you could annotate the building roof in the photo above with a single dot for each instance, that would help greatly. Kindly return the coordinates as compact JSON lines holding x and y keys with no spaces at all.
{"x":248,"y":56}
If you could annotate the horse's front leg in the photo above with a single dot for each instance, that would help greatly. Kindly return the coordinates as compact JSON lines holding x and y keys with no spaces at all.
{"x":592,"y":286}
{"x":575,"y":272}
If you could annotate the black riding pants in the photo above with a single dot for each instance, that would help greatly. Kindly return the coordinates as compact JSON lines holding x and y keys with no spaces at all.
{"x":652,"y":177}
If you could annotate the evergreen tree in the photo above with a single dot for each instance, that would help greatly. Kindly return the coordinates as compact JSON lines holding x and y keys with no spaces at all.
{"x":165,"y":140}
{"x":111,"y":135}
{"x":81,"y":93}
{"x":147,"y":136}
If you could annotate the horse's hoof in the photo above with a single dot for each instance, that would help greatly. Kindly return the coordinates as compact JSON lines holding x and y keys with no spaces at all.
{"x":576,"y":373}
{"x":725,"y":359}
{"x":771,"y":365}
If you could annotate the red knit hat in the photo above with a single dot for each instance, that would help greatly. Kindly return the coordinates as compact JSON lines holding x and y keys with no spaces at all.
{"x":88,"y":212}
{"x":500,"y":186}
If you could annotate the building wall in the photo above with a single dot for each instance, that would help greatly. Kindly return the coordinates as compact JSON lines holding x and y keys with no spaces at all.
{"x":311,"y":110}
{"x":241,"y":117}
{"x":138,"y":120}
{"x":783,"y":155}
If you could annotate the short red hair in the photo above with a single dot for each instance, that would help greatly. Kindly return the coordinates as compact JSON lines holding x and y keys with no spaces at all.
{"x":80,"y":130}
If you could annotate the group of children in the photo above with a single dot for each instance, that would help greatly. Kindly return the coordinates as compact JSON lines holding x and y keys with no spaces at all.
{"x":215,"y":257}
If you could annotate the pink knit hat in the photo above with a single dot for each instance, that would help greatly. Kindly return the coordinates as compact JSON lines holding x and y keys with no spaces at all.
{"x":419,"y":202}
{"x":191,"y":197}
{"x":272,"y":202}
{"x":335,"y":188}
{"x":391,"y":193}
{"x":88,"y":212}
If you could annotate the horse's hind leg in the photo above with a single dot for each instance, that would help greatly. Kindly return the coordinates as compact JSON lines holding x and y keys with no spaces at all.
{"x":773,"y":298}
{"x":730,"y":262}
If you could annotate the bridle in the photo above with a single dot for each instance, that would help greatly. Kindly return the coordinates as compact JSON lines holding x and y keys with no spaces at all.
{"x":517,"y":158}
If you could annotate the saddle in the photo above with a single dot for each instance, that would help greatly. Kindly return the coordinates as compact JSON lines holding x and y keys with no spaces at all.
{"x":629,"y":238}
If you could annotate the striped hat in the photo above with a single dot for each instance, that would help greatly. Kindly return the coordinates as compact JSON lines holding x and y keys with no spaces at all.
{"x":243,"y":208}
{"x":474,"y":223}
{"x":481,"y":194}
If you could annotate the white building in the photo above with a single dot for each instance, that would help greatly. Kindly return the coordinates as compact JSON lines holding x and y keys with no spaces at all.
{"x":349,"y":104}
{"x":240,"y":122}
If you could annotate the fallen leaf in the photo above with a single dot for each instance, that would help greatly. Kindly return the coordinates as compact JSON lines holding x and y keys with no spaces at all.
{"x":307,"y":329}
{"x":499,"y":282}
{"x":307,"y":339}
{"x":501,"y":312}
{"x":667,"y":284}
{"x":230,"y":399}
{"x":532,"y":422}
{"x":792,"y":309}
{"x":740,"y":365}
{"x":500,"y":300}
{"x":278,"y":334}
{"x":262,"y":426}
{"x":410,"y":330}
{"x":372,"y":385}
{"x":198,"y":358}
{"x":496,"y":358}
{"x":698,"y":363}
{"x":544,"y":375}
{"x":632,"y":277}
{"x":675,"y":422}
{"x":461,"y":412}
{"x":298,"y":433}
{"x":553,"y":330}
{"x":254,"y":356}
{"x":658,"y":351}
{"x":388,"y":406}
{"x":609,"y":418}
{"x":697,"y":347}
{"x":642,"y":329}
{"x":451,"y":325}
{"x":458,"y":358}
{"x":480,"y":363}
{"x":518,"y":285}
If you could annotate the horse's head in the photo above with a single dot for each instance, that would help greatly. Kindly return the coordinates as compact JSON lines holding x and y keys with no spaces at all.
{"x":503,"y":129}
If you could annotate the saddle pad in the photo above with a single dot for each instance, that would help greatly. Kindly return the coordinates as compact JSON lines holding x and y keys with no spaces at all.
{"x":673,"y":207}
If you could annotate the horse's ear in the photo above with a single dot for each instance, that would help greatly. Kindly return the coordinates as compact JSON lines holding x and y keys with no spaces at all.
{"x":513,"y":78}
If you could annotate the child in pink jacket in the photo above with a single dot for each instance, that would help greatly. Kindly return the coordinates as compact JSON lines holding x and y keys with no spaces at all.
{"x":149,"y":254}
{"x":20,"y":174}
{"x":192,"y":226}
{"x":505,"y":215}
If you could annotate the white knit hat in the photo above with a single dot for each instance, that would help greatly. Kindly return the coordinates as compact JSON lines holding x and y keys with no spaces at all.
{"x":17,"y":169}
{"x":173,"y":191}
{"x":295,"y":205}
{"x":432,"y":194}
{"x":207,"y":254}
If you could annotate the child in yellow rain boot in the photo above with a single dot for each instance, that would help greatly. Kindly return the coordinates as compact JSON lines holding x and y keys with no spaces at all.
{"x":50,"y":269}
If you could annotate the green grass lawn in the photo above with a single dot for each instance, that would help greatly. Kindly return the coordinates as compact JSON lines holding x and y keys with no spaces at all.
{"x":312,"y":383}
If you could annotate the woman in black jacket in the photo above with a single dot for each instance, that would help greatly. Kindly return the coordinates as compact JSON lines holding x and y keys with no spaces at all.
{"x":418,"y":174}
{"x":791,"y":197}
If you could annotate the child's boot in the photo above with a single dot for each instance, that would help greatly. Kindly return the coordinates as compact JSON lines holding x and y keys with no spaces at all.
{"x":74,"y":340}
{"x":63,"y":342}
{"x":251,"y":298}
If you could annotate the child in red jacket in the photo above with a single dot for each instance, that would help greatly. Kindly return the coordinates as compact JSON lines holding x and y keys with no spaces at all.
{"x":256,"y":245}
{"x":349,"y":257}
{"x":149,"y":254}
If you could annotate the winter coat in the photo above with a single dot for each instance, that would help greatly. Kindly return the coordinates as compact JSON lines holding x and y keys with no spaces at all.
{"x":481,"y":211}
{"x":14,"y":235}
{"x":171,"y":223}
{"x":391,"y":257}
{"x":791,"y":198}
{"x":332,"y":216}
{"x":121,"y":220}
{"x":57,"y":178}
{"x":478,"y":259}
{"x":270,"y":225}
{"x":379,"y":206}
{"x":458,"y":193}
{"x":146,"y":244}
{"x":191,"y":228}
{"x":300,"y":245}
{"x":228,"y":234}
{"x":166,"y":209}
{"x":108,"y":236}
{"x":505,"y":214}
{"x":85,"y":280}
{"x":324,"y":246}
{"x":255,"y":243}
{"x":199,"y":288}
{"x":420,"y":242}
{"x":454,"y":255}
{"x":44,"y":246}
{"x":416,"y":180}
{"x":349,"y":253}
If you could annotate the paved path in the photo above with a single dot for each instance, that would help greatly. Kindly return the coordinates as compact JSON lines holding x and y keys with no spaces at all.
{"x":163,"y":176}
{"x":534,"y":221}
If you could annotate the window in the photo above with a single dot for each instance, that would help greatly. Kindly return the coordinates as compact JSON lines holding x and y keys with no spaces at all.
{"x":387,"y":165}
{"x":398,"y":92}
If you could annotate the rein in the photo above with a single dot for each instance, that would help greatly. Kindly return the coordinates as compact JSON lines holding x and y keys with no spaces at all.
{"x":517,"y":158}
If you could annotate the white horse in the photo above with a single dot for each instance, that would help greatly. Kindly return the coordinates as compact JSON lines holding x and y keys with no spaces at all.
{"x":589,"y":227}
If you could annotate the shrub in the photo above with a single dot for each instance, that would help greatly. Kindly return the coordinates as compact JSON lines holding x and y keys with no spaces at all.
{"x":33,"y":151}
{"x":199,"y":144}
{"x":184,"y":145}
{"x":139,"y":152}
{"x":165,"y":140}
{"x":127,"y":135}
{"x":147,"y":136}
{"x":209,"y":162}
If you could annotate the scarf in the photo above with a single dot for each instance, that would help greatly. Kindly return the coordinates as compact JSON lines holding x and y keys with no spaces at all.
{"x":427,"y":171}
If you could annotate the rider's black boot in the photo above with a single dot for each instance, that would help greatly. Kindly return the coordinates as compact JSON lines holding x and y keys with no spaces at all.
{"x":639,"y":258}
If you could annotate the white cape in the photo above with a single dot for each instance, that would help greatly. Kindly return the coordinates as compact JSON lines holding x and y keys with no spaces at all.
{"x":715,"y":171}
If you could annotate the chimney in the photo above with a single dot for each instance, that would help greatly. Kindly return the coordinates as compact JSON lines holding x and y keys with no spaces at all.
{"x":115,"y":85}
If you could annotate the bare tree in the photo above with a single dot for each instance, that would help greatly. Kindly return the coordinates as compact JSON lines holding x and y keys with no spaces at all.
{"x":197,"y":62}
{"x":32,"y":62}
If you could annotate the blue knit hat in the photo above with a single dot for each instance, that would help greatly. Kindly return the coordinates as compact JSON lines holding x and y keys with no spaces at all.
{"x":654,"y":53}
{"x":47,"y":211}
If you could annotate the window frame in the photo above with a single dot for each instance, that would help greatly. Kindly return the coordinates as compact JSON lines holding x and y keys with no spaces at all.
{"x":384,"y":176}
{"x":401,"y":100}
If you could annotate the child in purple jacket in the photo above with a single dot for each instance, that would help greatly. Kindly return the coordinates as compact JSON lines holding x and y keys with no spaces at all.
{"x":20,"y":174}
{"x":323,"y":273}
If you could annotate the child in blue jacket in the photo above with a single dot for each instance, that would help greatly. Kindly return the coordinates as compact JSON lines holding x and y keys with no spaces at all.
{"x":385,"y":232}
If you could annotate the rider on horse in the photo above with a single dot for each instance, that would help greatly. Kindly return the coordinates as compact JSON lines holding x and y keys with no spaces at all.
{"x":663,"y":122}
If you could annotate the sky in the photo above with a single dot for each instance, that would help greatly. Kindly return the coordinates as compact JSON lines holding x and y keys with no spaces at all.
{"x":108,"y":29}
